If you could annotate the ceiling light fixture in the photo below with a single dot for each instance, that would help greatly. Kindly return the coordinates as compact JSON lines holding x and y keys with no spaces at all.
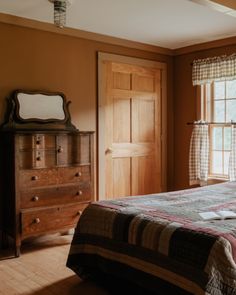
{"x":60,"y":7}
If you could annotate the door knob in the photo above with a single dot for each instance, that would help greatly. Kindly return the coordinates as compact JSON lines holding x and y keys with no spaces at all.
{"x":109,"y":151}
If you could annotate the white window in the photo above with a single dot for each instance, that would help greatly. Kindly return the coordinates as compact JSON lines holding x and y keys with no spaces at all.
{"x":218,"y":105}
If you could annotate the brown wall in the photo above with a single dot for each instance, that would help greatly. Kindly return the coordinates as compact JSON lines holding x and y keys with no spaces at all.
{"x":35,"y":59}
{"x":185,"y":108}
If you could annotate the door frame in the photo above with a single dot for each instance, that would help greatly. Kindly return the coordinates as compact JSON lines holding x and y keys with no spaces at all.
{"x":101,"y":117}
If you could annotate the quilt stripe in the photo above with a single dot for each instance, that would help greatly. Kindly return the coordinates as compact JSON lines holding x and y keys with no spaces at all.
{"x":164,"y":236}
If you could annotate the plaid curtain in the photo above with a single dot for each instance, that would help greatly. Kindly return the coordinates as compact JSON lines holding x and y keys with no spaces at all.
{"x":232,"y":157}
{"x":199,"y":154}
{"x":214,"y":69}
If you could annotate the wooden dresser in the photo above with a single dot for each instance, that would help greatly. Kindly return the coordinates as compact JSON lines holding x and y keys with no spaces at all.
{"x":48,"y":180}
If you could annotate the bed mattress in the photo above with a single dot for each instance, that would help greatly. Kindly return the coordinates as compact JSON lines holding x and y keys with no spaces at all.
{"x":159,"y":238}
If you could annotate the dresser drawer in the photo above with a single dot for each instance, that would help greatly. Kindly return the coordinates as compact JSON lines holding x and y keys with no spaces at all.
{"x":45,"y":177}
{"x":36,"y":178}
{"x":30,"y":159}
{"x":38,"y":221}
{"x":37,"y":141}
{"x":55,"y":196}
{"x":74,"y":174}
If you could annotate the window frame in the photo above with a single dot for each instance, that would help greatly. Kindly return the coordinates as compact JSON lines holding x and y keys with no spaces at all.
{"x":205,"y":112}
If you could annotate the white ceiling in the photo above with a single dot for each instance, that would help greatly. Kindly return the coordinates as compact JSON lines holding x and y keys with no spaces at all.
{"x":166,"y":23}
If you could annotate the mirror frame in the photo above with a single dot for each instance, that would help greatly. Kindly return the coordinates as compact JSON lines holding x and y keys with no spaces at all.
{"x":15,"y":121}
{"x":17,"y":110}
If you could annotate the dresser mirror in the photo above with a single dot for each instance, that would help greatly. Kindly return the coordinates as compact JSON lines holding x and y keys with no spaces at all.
{"x":38,"y":110}
{"x":39,"y":106}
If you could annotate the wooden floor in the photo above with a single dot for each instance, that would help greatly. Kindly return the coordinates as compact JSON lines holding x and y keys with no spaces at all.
{"x":41,"y":270}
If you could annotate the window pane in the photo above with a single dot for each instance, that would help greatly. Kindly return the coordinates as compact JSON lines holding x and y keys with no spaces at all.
{"x":230,"y":110}
{"x":219,"y":111}
{"x":231,"y":89}
{"x":217,"y":138}
{"x":226,"y":162}
{"x":217,"y":163}
{"x":219,"y":90}
{"x":227,"y":138}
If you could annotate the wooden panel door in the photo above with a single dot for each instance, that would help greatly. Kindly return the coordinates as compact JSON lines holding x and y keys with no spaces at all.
{"x":132,"y":129}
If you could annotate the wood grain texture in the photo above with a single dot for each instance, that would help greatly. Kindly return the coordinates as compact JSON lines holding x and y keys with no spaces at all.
{"x":39,"y":200}
{"x":121,"y":80}
{"x":120,"y":150}
{"x":121,"y":120}
{"x":121,"y":177}
{"x":50,"y":219}
{"x":145,"y":178}
{"x":57,"y":195}
{"x":41,"y":270}
{"x":74,"y":174}
{"x":143,"y":82}
{"x":132,"y":129}
{"x":37,"y":141}
{"x":36,"y":178}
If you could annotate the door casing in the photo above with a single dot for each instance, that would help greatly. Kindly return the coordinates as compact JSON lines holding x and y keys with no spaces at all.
{"x":101,"y":114}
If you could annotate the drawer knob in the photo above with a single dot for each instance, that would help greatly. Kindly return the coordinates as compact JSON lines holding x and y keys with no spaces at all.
{"x":35,"y":177}
{"x":79,"y":193}
{"x":35,"y":198}
{"x":36,"y":220}
{"x":38,"y":158}
{"x":38,"y":140}
{"x":60,"y":149}
{"x":79,"y":213}
{"x":78,"y":174}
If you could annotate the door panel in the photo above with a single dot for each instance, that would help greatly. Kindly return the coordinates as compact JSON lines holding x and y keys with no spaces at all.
{"x":132,"y":129}
{"x":143,"y":117}
{"x":144,"y":175}
{"x":121,"y":81}
{"x":121,"y":177}
{"x":143,"y":83}
{"x":121,"y":120}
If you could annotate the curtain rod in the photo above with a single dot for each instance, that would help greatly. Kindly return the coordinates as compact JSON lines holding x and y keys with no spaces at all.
{"x":211,"y":123}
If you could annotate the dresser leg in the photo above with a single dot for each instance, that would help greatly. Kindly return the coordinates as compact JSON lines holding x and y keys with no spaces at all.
{"x":17,"y":251}
{"x":17,"y":247}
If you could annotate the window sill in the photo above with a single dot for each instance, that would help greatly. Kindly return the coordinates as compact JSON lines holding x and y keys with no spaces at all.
{"x":214,"y":180}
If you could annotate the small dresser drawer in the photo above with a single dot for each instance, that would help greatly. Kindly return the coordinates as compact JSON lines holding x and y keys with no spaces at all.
{"x":74,"y":174}
{"x":33,"y":159}
{"x":55,"y":196}
{"x":36,"y":178}
{"x":37,"y":141}
{"x":38,"y":221}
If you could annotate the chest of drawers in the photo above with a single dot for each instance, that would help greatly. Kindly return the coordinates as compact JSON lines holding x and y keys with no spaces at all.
{"x":48,"y":181}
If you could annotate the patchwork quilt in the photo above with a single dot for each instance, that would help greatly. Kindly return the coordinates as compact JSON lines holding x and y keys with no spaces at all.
{"x":162,"y":238}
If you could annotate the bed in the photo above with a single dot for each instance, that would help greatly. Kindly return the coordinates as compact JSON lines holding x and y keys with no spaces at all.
{"x":160,"y":242}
